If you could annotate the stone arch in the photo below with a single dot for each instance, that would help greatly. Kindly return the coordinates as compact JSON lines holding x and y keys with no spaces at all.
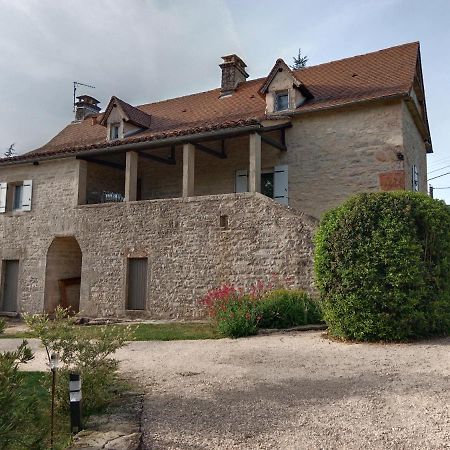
{"x":63,"y":275}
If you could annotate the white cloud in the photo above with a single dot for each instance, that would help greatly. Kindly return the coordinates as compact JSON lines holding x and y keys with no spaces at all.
{"x":139,"y":50}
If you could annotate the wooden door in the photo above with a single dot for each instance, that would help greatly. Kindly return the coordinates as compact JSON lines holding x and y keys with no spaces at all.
{"x":10,"y":284}
{"x":137,"y":283}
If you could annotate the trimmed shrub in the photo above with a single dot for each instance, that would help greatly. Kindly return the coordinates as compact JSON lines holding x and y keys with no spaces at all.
{"x":284,"y":308}
{"x":382,"y":266}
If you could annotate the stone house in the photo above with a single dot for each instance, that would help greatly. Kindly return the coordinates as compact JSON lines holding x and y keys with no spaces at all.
{"x":140,"y":210}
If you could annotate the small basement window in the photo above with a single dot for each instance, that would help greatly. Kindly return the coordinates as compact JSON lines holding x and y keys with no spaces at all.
{"x":282,"y":101}
{"x":114,"y":131}
{"x":224,"y":222}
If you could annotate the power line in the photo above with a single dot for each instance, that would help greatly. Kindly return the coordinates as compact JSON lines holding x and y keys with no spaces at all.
{"x":439,"y":176}
{"x":448,"y":187}
{"x":440,"y":168}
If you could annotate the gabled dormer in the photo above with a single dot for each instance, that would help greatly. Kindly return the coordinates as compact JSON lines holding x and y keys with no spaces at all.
{"x":283,"y":90}
{"x":122,"y":120}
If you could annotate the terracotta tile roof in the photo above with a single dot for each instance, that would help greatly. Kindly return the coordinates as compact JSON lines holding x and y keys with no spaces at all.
{"x":382,"y":74}
{"x":134,"y":115}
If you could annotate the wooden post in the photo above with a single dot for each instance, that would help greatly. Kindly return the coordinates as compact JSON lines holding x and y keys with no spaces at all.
{"x":131,"y":176}
{"x":254,"y":173}
{"x":188,"y":170}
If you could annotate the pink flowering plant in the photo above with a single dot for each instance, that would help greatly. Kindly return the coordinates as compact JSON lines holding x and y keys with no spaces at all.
{"x":235,"y":310}
{"x":240,"y":312}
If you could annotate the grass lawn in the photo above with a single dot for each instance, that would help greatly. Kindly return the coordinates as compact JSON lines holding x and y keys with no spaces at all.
{"x":149,"y":331}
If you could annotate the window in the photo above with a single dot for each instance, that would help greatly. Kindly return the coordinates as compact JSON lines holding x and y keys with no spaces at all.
{"x":415,"y":178}
{"x":267,"y":184}
{"x":274,"y":183}
{"x":224,"y":222}
{"x":16,"y":196}
{"x":114,"y":131}
{"x":282,"y":101}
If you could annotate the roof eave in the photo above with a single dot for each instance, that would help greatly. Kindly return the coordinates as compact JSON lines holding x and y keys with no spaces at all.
{"x":152,"y":144}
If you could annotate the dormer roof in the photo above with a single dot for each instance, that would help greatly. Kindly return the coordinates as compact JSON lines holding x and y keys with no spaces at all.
{"x":280,"y":66}
{"x":131,"y":114}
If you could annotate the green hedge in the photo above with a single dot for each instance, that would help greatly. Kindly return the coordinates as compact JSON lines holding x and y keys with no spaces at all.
{"x":382,"y":267}
{"x":286,"y":308}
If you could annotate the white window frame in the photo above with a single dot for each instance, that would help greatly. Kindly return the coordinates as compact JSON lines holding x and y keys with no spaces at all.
{"x":8,"y":196}
{"x":278,"y":94}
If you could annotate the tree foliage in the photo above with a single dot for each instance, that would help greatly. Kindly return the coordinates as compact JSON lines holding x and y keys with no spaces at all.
{"x":80,"y":353}
{"x":299,"y":61}
{"x":18,"y":409}
{"x":382,"y":266}
{"x":10,"y":152}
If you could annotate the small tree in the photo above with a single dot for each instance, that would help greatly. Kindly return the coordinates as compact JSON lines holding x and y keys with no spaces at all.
{"x":11,"y":151}
{"x":299,"y":61}
{"x":81,"y":352}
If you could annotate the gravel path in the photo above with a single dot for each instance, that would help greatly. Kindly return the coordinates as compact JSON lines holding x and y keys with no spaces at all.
{"x":291,"y":391}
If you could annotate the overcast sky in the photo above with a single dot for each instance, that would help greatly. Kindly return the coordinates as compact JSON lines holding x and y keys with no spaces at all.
{"x":147,"y":50}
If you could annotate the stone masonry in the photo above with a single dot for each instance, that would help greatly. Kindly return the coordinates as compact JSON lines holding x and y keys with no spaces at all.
{"x":330,"y":155}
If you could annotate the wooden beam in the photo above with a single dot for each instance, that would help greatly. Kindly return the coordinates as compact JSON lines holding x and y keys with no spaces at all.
{"x":211,"y":151}
{"x":101,"y":162}
{"x":169,"y":160}
{"x":274,"y":143}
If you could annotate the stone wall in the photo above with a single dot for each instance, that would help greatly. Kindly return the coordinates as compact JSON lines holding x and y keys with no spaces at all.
{"x":414,"y":151}
{"x":333,"y":155}
{"x":187,"y":250}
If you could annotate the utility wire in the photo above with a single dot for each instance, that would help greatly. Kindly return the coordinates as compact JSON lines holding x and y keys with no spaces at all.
{"x":438,"y":176}
{"x":440,"y":168}
{"x":448,"y":187}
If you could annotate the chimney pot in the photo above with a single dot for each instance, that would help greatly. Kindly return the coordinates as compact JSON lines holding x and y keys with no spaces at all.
{"x":233,"y":73}
{"x":86,"y":106}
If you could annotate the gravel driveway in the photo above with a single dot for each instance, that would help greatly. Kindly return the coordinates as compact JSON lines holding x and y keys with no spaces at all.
{"x":292,"y":391}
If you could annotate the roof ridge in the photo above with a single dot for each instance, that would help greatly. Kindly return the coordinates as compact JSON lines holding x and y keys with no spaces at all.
{"x":382,"y":50}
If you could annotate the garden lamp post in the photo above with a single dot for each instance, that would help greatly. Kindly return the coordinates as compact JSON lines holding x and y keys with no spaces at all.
{"x":54,"y":362}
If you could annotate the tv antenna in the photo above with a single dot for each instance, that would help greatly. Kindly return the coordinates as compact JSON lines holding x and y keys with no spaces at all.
{"x":75,"y":85}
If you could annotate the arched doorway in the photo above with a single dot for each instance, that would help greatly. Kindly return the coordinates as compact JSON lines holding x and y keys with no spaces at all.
{"x":63,"y":275}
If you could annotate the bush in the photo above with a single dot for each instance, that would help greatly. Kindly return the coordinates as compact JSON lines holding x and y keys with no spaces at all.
{"x":283,"y":308}
{"x":2,"y":325}
{"x":233,"y":310}
{"x":382,"y":266}
{"x":239,"y":313}
{"x":80,"y":353}
{"x":18,"y":408}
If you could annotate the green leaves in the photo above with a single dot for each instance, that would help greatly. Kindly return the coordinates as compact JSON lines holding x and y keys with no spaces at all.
{"x":80,"y":352}
{"x":382,"y":266}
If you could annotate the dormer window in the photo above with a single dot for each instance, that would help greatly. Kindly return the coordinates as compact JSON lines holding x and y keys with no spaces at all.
{"x":114,"y":131}
{"x":282,"y":101}
{"x":283,"y":90}
{"x":122,"y":120}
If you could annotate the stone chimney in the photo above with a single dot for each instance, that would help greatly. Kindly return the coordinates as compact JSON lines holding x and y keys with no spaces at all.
{"x":233,"y":73}
{"x":86,"y":106}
